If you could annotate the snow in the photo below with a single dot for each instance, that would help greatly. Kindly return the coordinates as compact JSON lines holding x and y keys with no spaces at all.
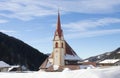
{"x":98,"y":57}
{"x":86,"y":67}
{"x":108,"y":53}
{"x":66,"y":69}
{"x":86,"y":61}
{"x":55,"y":67}
{"x":118,"y":52}
{"x":13,"y":67}
{"x":48,"y":64}
{"x":109,"y":61}
{"x":111,"y":72}
{"x":3,"y":64}
{"x":72,"y":57}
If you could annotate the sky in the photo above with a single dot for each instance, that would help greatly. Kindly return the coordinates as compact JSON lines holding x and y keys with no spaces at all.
{"x":91,"y":27}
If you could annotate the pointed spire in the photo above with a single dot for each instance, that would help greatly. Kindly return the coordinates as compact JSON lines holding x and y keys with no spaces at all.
{"x":58,"y":22}
{"x":59,"y":30}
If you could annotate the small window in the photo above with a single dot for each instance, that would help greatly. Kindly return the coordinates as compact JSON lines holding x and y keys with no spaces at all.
{"x":56,"y":45}
{"x":62,"y":45}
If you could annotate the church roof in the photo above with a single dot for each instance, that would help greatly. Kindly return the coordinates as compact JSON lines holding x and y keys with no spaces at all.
{"x":69,"y":50}
{"x":70,"y":53}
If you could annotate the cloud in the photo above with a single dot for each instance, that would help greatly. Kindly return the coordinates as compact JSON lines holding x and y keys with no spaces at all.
{"x":92,"y":33}
{"x":23,"y":10}
{"x":28,"y":9}
{"x":3,"y":21}
{"x":92,"y":6}
{"x":84,"y":25}
{"x":91,"y":27}
{"x":8,"y":31}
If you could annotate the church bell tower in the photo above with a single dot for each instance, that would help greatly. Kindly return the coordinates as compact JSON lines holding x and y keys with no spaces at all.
{"x":58,"y":45}
{"x":62,"y":55}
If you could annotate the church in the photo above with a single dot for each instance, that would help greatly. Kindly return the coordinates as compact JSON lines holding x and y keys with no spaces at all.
{"x":63,"y":56}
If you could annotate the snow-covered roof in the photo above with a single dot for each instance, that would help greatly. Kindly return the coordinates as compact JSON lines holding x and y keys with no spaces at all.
{"x":110,"y":61}
{"x":3,"y":64}
{"x":72,"y":57}
{"x":13,"y":67}
{"x":118,"y":52}
{"x":86,"y":60}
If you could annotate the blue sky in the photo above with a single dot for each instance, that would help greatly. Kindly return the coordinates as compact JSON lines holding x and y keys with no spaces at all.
{"x":91,"y":27}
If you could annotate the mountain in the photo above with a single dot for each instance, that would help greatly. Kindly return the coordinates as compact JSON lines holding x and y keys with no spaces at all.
{"x":15,"y":52}
{"x":108,"y":55}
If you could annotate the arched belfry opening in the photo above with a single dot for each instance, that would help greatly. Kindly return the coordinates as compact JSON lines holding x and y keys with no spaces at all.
{"x":62,"y":45}
{"x":56,"y":45}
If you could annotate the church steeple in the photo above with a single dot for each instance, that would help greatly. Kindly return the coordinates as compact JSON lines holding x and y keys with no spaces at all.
{"x":63,"y":55}
{"x":58,"y":31}
{"x":58,"y":45}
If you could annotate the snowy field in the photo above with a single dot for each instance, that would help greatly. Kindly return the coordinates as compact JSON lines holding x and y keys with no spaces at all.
{"x":112,"y":72}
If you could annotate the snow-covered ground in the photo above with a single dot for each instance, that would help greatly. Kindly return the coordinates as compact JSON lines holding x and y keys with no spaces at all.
{"x":111,"y":72}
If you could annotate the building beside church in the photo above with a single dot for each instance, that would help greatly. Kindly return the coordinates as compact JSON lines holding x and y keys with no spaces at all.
{"x":63,"y":56}
{"x":4,"y":66}
{"x":109,"y":62}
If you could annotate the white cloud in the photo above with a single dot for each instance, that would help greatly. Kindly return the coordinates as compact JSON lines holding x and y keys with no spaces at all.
{"x":84,"y":25}
{"x":92,"y":33}
{"x":7,"y":31}
{"x":24,"y":10}
{"x":91,"y":28}
{"x":93,"y":6}
{"x":3,"y":21}
{"x":28,"y":9}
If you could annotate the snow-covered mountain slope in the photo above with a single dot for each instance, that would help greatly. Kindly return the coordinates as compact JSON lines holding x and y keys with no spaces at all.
{"x":112,"y":72}
{"x":108,"y":55}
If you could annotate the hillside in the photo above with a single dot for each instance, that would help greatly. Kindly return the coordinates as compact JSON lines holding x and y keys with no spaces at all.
{"x":16,"y":52}
{"x":108,"y":55}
